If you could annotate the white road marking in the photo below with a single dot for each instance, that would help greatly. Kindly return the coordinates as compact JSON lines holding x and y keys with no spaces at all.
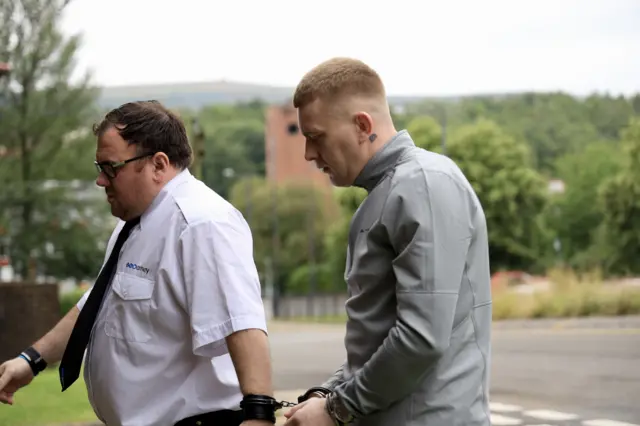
{"x":504,"y":408}
{"x":550,"y":415}
{"x":605,"y":422}
{"x":498,"y":420}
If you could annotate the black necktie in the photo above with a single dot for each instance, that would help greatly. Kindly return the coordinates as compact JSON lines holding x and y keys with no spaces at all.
{"x":73,"y":353}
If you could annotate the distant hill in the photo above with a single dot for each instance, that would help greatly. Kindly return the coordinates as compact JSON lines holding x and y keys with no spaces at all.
{"x":196,"y":95}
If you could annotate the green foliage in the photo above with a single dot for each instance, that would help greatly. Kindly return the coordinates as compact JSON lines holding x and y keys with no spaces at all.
{"x":568,"y":295}
{"x":316,"y":278}
{"x":576,"y":215}
{"x":512,"y":193}
{"x":234,"y":144}
{"x":69,"y":300}
{"x":426,"y":133}
{"x":620,"y":198}
{"x":46,"y":144}
{"x":349,"y":199}
{"x":551,"y":124}
{"x":288,"y":222}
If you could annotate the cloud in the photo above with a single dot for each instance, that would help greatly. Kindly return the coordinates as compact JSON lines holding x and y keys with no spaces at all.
{"x":420,"y":47}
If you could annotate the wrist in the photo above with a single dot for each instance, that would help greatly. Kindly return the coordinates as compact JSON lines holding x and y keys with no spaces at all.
{"x":34,"y":359}
{"x":259,"y":409}
{"x":337,"y":410}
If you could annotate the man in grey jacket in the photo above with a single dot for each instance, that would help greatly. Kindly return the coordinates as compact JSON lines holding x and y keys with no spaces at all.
{"x":419,"y":308}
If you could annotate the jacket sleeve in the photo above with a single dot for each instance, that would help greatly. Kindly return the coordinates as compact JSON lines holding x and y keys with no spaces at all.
{"x":428,"y":227}
{"x":334,"y":380}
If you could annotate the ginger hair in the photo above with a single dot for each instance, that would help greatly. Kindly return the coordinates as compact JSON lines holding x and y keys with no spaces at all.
{"x":336,"y":78}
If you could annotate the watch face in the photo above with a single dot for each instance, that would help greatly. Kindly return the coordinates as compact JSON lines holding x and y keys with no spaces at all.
{"x":340,"y":410}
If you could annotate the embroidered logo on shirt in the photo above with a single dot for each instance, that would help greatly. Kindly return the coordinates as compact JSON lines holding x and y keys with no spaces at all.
{"x":137,"y":267}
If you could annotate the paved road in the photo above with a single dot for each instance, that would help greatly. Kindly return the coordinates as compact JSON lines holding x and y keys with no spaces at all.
{"x":554,"y":373}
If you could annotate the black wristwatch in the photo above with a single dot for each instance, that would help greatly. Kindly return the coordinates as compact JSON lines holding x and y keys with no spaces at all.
{"x":35,"y":360}
{"x":338,"y":411}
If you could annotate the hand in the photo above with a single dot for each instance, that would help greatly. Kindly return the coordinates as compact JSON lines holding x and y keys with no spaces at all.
{"x":14,"y":374}
{"x":311,"y":412}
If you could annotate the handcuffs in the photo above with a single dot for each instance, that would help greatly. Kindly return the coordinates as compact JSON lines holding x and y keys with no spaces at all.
{"x":337,"y":412}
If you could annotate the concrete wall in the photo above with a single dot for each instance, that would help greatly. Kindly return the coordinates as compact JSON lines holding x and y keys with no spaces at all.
{"x":302,"y":306}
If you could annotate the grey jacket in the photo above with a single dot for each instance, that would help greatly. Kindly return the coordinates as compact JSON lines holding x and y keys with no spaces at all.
{"x":419,"y":308}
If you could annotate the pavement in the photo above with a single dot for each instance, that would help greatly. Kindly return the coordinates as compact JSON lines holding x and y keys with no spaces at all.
{"x":544,"y":372}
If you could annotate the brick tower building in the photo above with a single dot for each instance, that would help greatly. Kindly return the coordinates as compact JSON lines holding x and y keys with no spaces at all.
{"x":284,"y":149}
{"x":5,"y":69}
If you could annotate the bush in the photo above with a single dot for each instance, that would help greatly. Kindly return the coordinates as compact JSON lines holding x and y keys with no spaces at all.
{"x":569,"y":295}
{"x":68,"y":300}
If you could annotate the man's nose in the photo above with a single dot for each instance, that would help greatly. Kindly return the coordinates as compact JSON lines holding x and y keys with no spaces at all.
{"x":102,"y":180}
{"x":310,"y":153}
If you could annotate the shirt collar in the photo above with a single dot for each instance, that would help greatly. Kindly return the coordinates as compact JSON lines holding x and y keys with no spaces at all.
{"x":383,"y":161}
{"x":166,"y":191}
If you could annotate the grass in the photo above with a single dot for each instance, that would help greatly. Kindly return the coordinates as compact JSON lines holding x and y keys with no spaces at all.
{"x":42,"y":403}
{"x":570,"y":295}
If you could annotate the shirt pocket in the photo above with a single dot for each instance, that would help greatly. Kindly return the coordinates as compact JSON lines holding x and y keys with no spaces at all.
{"x":128,"y":315}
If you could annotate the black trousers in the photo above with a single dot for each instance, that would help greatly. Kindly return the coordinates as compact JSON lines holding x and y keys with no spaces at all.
{"x":215,"y":418}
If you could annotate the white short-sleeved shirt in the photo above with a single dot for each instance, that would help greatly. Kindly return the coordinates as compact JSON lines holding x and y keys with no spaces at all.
{"x":185,"y":280}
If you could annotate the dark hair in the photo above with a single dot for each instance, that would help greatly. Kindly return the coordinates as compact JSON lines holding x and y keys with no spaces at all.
{"x":152,"y":127}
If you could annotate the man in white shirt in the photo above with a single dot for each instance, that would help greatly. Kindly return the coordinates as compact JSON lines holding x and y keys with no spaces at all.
{"x":174,"y":327}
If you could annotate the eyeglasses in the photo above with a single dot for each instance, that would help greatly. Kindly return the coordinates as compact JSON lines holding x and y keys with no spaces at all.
{"x":110,"y":168}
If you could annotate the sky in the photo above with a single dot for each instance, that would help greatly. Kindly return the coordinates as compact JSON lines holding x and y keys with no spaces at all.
{"x":419,"y":47}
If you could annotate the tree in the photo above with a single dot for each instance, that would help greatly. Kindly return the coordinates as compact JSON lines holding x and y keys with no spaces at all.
{"x":609,"y":114}
{"x":234,"y":145}
{"x":512,"y":193}
{"x":620,"y":198}
{"x":45,"y":140}
{"x":576,"y":214}
{"x":302,"y":213}
{"x":551,"y":124}
{"x":426,"y":133}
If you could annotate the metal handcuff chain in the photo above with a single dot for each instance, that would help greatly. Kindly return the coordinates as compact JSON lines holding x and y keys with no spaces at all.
{"x":318,"y":390}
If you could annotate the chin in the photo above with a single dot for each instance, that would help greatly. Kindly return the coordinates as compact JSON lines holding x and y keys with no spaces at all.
{"x":116,"y":212}
{"x":339,"y":183}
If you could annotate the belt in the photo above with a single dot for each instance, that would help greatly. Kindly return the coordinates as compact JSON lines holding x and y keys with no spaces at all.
{"x":215,"y":418}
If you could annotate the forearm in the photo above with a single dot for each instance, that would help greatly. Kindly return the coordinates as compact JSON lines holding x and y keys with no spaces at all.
{"x":412,"y":348}
{"x":249,"y":350}
{"x":52,"y":345}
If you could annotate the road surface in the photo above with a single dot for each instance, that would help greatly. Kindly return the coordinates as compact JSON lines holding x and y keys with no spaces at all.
{"x":553,"y":373}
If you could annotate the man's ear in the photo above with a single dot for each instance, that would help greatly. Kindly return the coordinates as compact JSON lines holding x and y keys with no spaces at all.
{"x":364,"y":126}
{"x":160,"y":162}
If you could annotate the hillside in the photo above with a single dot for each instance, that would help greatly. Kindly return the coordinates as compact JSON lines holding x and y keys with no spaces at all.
{"x":196,"y":95}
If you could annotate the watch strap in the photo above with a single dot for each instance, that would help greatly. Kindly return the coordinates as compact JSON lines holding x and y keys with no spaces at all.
{"x":35,"y":360}
{"x":338,"y":411}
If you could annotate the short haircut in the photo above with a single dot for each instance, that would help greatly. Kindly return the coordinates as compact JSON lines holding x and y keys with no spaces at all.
{"x":152,"y":127}
{"x":338,"y":77}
